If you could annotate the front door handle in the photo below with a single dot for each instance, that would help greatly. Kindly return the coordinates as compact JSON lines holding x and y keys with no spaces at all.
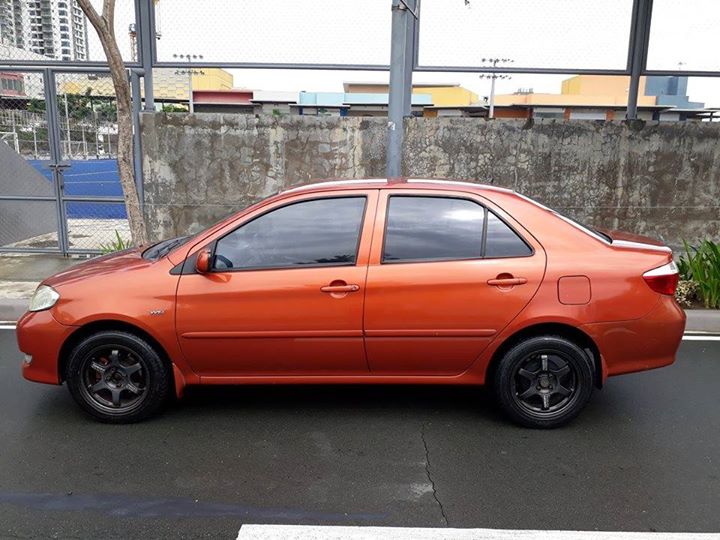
{"x":339,"y":288}
{"x":507,"y":282}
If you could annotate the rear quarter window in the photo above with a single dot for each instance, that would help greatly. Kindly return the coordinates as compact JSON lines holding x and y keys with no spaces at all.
{"x":502,"y":241}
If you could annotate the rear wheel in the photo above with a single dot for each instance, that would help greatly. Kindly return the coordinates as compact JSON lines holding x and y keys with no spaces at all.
{"x":117,"y":377}
{"x":544,"y":382}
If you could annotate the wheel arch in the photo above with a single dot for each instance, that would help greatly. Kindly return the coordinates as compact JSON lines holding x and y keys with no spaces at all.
{"x":574,"y":334}
{"x":108,"y":325}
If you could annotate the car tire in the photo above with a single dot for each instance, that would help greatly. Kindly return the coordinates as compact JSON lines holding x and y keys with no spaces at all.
{"x":544,"y":381}
{"x":117,"y":377}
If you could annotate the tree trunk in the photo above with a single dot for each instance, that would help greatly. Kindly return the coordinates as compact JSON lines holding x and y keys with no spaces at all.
{"x":104,"y":26}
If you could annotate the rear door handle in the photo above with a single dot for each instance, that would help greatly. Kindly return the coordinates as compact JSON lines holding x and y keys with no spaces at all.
{"x":340,"y":288}
{"x":507,"y":282}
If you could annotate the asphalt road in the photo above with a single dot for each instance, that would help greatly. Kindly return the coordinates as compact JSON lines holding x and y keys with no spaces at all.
{"x":644,"y":456}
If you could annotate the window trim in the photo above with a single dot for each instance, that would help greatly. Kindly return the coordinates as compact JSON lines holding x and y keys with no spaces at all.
{"x":459,"y":259}
{"x":214,"y":244}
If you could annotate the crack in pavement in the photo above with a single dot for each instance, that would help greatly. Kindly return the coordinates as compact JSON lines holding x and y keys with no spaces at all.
{"x":429,"y":477}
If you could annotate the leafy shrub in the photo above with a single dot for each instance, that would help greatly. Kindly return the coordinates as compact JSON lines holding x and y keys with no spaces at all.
{"x":701,"y":264}
{"x":119,"y":244}
{"x":684,"y":269}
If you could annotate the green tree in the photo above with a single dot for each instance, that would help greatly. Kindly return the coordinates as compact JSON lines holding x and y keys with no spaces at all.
{"x":36,"y":105}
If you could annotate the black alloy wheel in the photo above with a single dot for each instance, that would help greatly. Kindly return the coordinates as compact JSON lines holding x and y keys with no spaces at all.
{"x":117,"y":377}
{"x":544,"y":381}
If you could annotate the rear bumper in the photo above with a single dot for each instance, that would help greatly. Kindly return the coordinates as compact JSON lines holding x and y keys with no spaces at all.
{"x":40,"y":337}
{"x":638,"y":345}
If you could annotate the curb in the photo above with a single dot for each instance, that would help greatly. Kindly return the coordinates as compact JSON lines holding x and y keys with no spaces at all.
{"x":11,"y":309}
{"x":706,"y":321}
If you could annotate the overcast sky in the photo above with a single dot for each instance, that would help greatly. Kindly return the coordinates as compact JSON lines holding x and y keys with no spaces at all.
{"x":534,"y":33}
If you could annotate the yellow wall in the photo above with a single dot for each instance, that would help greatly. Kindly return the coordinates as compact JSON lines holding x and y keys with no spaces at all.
{"x":166,"y":83}
{"x":448,"y":95}
{"x":213,"y":79}
{"x":599,"y":85}
{"x":79,"y":84}
{"x":590,"y":90}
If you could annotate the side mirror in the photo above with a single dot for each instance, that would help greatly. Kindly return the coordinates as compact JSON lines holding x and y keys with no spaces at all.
{"x":202,"y":262}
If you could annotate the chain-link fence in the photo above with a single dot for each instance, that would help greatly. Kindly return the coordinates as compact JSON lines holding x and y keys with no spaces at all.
{"x":684,"y":36}
{"x":88,"y":130}
{"x":59,"y":185}
{"x":57,"y":31}
{"x":87,"y":115}
{"x":341,"y":32}
{"x":658,"y":59}
{"x":23,"y":122}
{"x":569,"y":34}
{"x":28,"y":216}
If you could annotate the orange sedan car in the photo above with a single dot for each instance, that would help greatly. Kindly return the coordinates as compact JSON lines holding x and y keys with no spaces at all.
{"x":371,"y":281}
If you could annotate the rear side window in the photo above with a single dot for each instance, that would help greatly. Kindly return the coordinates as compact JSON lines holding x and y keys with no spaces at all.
{"x":320,"y":232}
{"x":433,"y":228}
{"x":502,"y":241}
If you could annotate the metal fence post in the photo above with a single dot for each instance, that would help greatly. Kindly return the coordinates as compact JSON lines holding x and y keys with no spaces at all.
{"x":137,"y":139}
{"x":637,"y":51}
{"x":411,"y":22}
{"x":401,"y":64}
{"x":56,"y":162}
{"x":145,"y":22}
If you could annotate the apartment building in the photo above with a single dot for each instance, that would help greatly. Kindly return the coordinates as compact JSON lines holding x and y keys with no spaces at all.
{"x":55,"y":29}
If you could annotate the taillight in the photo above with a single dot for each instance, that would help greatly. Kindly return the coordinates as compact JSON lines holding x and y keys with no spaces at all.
{"x":663,"y":279}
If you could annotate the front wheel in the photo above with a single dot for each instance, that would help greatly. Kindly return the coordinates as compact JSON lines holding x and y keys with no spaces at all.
{"x":544,"y":382}
{"x":117,"y":377}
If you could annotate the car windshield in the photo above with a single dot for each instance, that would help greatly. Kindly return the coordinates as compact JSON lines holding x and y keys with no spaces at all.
{"x":156,"y":251}
{"x":161,"y":249}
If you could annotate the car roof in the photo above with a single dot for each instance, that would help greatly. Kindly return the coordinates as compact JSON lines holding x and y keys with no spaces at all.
{"x":387,"y":183}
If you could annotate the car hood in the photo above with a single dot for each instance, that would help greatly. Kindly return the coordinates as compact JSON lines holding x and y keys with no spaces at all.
{"x":630,"y":237}
{"x":107,"y":264}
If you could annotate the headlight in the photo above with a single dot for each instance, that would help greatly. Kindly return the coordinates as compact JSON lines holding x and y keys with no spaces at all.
{"x":44,"y":298}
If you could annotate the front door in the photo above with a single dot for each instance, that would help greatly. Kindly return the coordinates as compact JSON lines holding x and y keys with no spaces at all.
{"x":285,"y":294}
{"x":446,"y":275}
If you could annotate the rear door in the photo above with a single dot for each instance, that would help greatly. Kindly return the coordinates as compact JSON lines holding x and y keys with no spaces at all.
{"x":446,"y":275}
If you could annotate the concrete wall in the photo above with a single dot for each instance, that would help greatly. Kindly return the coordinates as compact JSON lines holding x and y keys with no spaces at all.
{"x":662,"y":180}
{"x":200,"y":168}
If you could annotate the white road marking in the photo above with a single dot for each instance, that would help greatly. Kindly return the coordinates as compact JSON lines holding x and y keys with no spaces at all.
{"x":316,"y":532}
{"x":7,"y":326}
{"x":701,"y":338}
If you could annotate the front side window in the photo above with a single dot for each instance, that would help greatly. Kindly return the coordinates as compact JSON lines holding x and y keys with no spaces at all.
{"x":433,"y":228}
{"x":320,"y":232}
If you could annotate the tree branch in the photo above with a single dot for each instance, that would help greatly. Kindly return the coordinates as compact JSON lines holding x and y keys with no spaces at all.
{"x":92,"y":15}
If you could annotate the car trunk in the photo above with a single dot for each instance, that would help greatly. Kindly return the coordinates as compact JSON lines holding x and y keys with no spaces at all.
{"x":622,"y":236}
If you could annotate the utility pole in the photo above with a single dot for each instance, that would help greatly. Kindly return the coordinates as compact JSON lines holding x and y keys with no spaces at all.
{"x":638,"y":50}
{"x":494,"y":76}
{"x":190,"y":72}
{"x":402,"y":57}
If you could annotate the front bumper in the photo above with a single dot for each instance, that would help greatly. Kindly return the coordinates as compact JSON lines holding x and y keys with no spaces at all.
{"x":41,"y":337}
{"x":641,"y":344}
